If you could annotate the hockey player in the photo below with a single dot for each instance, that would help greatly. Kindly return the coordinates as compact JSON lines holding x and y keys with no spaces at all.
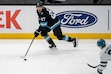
{"x":48,"y":21}
{"x":105,"y":54}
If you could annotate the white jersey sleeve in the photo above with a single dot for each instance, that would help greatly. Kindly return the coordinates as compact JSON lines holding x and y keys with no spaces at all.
{"x":105,"y":54}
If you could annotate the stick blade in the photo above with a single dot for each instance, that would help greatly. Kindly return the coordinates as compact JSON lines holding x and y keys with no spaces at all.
{"x":92,"y":66}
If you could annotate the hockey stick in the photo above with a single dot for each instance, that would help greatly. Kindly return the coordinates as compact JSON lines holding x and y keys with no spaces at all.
{"x":93,"y":66}
{"x":28,"y":49}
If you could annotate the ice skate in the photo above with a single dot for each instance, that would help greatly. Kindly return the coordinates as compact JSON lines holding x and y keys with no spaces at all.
{"x":75,"y":42}
{"x":99,"y":71}
{"x":51,"y":46}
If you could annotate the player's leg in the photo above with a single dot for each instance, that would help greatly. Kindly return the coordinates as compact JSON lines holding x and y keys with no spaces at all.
{"x":48,"y":39}
{"x":58,"y":33}
{"x":102,"y":66}
{"x":68,"y":39}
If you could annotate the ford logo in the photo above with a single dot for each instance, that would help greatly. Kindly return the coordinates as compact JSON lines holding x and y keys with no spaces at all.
{"x":77,"y":19}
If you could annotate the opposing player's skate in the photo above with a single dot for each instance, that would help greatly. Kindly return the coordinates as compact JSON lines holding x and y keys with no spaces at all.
{"x":99,"y":72}
{"x":75,"y":42}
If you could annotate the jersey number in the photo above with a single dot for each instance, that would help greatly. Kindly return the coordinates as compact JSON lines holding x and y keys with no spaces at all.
{"x":51,"y":13}
{"x":108,"y":50}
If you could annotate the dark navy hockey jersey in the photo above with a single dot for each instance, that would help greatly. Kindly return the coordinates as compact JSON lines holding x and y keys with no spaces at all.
{"x":47,"y":18}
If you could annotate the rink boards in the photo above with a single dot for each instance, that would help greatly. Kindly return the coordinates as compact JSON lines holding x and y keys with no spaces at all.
{"x":79,"y":35}
{"x":83,"y":21}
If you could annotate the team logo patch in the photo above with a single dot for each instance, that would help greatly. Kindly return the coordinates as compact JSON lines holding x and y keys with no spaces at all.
{"x":77,"y":19}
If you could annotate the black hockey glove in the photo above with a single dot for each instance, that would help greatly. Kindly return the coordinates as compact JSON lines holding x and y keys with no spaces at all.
{"x":36,"y":33}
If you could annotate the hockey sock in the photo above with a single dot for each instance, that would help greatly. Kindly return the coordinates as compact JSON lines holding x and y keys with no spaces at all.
{"x":69,"y":39}
{"x":49,"y":40}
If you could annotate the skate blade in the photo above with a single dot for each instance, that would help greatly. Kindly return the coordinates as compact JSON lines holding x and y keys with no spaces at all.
{"x":54,"y":48}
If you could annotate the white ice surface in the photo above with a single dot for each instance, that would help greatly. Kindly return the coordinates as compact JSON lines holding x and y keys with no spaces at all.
{"x":42,"y":60}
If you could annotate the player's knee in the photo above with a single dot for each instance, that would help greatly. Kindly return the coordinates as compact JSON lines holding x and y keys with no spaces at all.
{"x":60,"y":37}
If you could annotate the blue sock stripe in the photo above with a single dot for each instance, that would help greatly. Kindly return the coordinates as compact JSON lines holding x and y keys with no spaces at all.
{"x":66,"y":38}
{"x":47,"y":38}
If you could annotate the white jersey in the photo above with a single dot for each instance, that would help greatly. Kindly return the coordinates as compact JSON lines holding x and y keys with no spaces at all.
{"x":105,"y":54}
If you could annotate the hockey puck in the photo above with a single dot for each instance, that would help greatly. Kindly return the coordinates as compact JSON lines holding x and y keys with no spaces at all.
{"x":25,"y":59}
